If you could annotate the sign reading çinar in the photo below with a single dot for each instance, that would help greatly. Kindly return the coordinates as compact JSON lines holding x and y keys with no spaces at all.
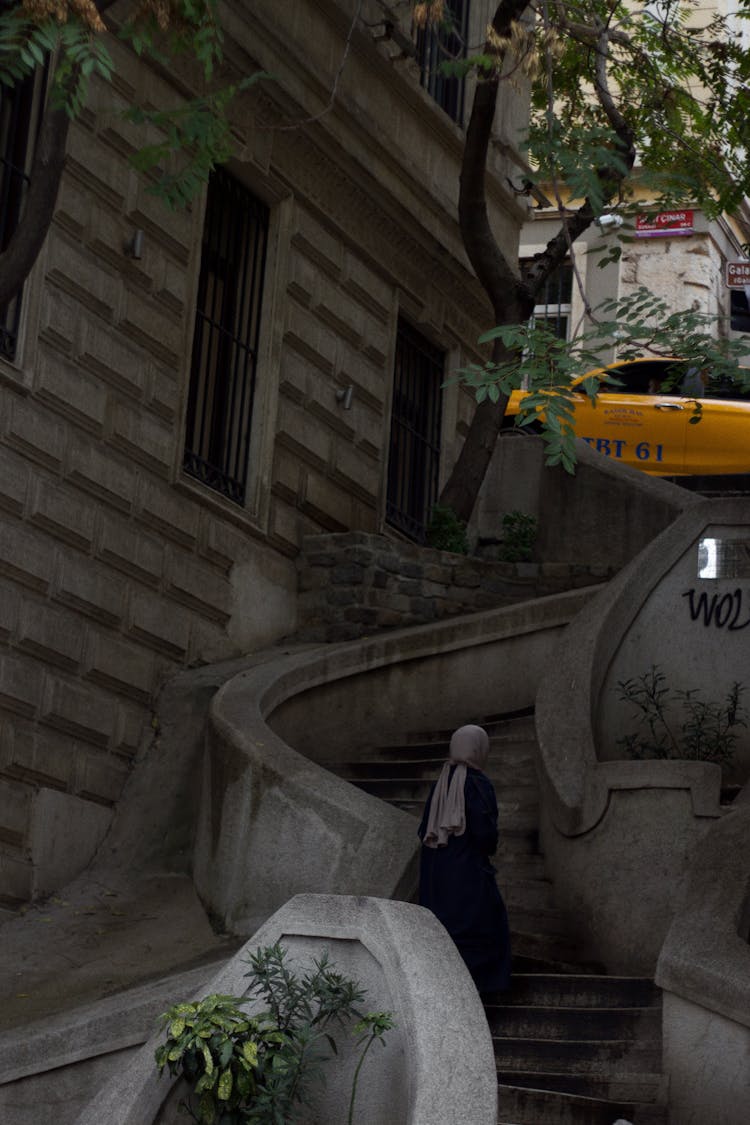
{"x":663,"y":223}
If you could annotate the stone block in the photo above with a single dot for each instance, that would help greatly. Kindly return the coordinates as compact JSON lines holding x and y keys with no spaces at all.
{"x":34,"y":432}
{"x":50,"y":634}
{"x":369,"y":288}
{"x":209,"y":643}
{"x":65,"y":833}
{"x":14,"y":481}
{"x":347,"y":573}
{"x":91,"y":588}
{"x":100,"y":777}
{"x":60,"y":511}
{"x":60,"y":316}
{"x":21,"y":684}
{"x":26,"y":555}
{"x":357,"y":471}
{"x":41,"y":757}
{"x":159,"y":624}
{"x":222,"y":544}
{"x":143,"y":437}
{"x":173,"y":516}
{"x":466,"y":575}
{"x":371,"y":381}
{"x":10,"y":608}
{"x":97,"y":167}
{"x":310,"y":339}
{"x":325,"y":502}
{"x":113,"y":359}
{"x":145,"y":322}
{"x":16,"y":878}
{"x":130,"y":549}
{"x":109,"y":477}
{"x":162,"y":393}
{"x":80,"y":273}
{"x":363,"y":615}
{"x":172,"y":230}
{"x":342,"y":595}
{"x":318,"y":244}
{"x":172,"y":285}
{"x":15,"y":809}
{"x":303,"y":281}
{"x":120,"y":665}
{"x":342,"y":314}
{"x":299,"y":432}
{"x":284,"y":528}
{"x":78,"y":709}
{"x":197,"y":586}
{"x":133,"y":728}
{"x":70,"y":391}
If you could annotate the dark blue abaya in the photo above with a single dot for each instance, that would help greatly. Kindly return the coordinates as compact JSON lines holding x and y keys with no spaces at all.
{"x":457,"y":883}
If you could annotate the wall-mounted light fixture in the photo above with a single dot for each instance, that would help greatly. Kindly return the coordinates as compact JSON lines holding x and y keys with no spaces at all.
{"x":344,"y":395}
{"x":134,"y":246}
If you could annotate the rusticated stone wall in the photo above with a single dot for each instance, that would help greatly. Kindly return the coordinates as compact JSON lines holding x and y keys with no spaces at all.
{"x":352,"y":584}
{"x":117,"y":569}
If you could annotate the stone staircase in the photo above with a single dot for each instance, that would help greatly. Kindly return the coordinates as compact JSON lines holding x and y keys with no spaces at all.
{"x":573,"y":1046}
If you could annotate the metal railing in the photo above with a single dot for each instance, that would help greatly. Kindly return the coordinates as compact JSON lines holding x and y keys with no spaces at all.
{"x":225,"y":343}
{"x":414,"y":457}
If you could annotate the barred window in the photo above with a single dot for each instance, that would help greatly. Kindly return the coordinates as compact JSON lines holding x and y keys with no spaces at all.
{"x":441,"y":43}
{"x":553,"y":302}
{"x":414,"y":458}
{"x":20,"y":116}
{"x":225,"y":342}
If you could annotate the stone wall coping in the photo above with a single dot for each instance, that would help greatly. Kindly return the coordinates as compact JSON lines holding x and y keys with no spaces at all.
{"x":576,"y":785}
{"x":441,"y":1025}
{"x":706,"y":956}
{"x":256,"y":786}
{"x":89,"y":1030}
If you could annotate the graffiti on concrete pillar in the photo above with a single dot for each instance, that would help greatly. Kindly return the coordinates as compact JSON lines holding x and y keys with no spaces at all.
{"x":724,"y":611}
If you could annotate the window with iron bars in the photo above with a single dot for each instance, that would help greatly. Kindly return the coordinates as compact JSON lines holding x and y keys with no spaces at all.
{"x":20,"y":115}
{"x":553,"y":301}
{"x":444,"y":42}
{"x":414,"y":457}
{"x":225,"y":343}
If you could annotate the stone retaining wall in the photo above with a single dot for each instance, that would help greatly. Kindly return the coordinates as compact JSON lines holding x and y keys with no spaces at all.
{"x":353,"y":583}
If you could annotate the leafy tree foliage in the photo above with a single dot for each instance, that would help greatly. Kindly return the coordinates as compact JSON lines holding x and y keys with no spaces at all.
{"x":628,"y":101}
{"x":624,"y":96}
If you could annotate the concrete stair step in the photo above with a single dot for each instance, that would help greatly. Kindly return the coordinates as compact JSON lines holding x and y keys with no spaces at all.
{"x":497,"y":726}
{"x":523,"y":1106}
{"x":546,"y":954}
{"x":645,"y":1088}
{"x":573,"y":1023}
{"x":576,"y":1056}
{"x":516,"y":841}
{"x":508,"y":776}
{"x":547,"y":921}
{"x":582,"y":989}
{"x":510,"y":799}
{"x":527,"y":894}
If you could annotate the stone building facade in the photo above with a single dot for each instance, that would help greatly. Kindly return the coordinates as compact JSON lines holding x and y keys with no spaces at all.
{"x":121,"y":560}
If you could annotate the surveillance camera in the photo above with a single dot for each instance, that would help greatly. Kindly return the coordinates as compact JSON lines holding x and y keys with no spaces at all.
{"x":609,"y":221}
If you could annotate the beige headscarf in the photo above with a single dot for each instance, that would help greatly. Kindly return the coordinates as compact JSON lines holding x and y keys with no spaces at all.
{"x":469,"y":746}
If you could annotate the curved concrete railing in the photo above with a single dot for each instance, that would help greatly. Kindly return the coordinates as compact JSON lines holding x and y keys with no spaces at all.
{"x":274,"y":822}
{"x":618,"y":835}
{"x":440,"y":1026}
{"x":704,"y":971}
